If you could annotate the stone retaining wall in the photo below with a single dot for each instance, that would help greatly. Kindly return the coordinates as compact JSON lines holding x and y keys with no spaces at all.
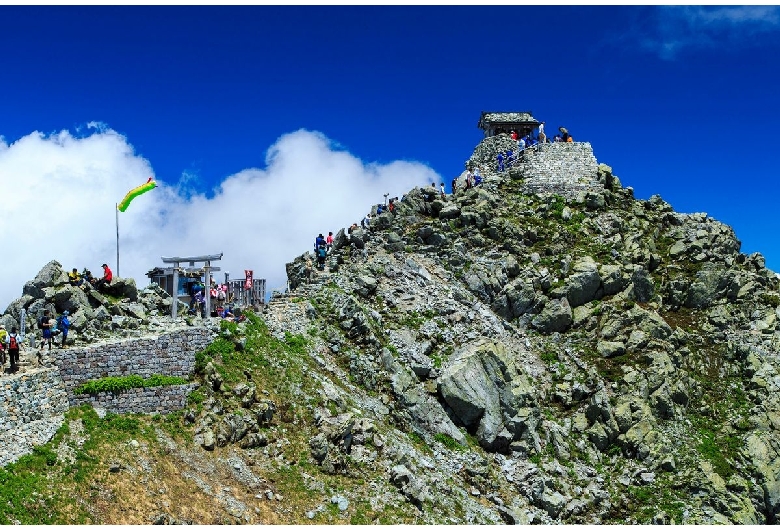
{"x":562,"y":168}
{"x":33,"y":403}
{"x":170,"y":354}
{"x":30,"y":397}
{"x":158,"y":399}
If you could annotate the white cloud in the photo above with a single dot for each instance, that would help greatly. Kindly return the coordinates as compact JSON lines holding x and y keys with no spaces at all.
{"x":698,"y":27}
{"x":59,"y":196}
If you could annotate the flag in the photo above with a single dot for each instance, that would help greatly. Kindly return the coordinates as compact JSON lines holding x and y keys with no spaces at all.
{"x":135,"y":192}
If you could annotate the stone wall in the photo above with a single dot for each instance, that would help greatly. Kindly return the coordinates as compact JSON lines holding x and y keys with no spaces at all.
{"x":562,"y":168}
{"x":158,"y":399}
{"x":170,"y":354}
{"x":32,"y":408}
{"x":31,"y":396}
{"x":33,"y":403}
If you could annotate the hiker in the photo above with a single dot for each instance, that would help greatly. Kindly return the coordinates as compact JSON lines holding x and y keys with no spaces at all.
{"x":221,"y":293}
{"x":63,"y":324}
{"x":106,"y":279}
{"x":44,"y":324}
{"x":318,"y":241}
{"x":391,"y":205}
{"x":454,"y":184}
{"x":510,"y":158}
{"x":329,"y":239}
{"x":3,"y":346}
{"x":514,"y":135}
{"x":14,"y":345}
{"x":198,"y":303}
{"x":500,"y":161}
{"x":74,"y":278}
{"x":366,"y":222}
{"x":88,"y":278}
{"x":321,"y":254}
{"x":443,"y":192}
{"x":542,"y":136}
{"x":226,"y":313}
{"x":565,"y":133}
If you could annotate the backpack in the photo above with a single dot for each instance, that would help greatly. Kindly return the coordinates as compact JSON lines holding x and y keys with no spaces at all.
{"x":59,"y":321}
{"x":13,"y":344}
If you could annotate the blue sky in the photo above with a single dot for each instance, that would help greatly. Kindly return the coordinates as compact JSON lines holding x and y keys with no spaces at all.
{"x":250,"y":117}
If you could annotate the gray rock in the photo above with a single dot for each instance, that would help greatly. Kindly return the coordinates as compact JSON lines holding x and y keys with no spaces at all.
{"x":608,"y":349}
{"x":556,"y":316}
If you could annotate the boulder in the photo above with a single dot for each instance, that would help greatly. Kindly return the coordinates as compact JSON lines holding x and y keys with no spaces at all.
{"x":708,"y":286}
{"x":581,"y":287}
{"x":451,"y":211}
{"x":556,"y":316}
{"x":608,"y":348}
{"x":122,"y":288}
{"x":51,"y":275}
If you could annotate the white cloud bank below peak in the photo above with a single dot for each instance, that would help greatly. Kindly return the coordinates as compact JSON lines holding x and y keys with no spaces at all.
{"x":65,"y":188}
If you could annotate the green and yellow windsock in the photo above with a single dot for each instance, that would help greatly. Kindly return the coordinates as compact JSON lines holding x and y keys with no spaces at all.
{"x":135,"y":192}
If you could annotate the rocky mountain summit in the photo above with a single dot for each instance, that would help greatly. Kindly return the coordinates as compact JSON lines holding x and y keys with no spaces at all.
{"x":616,"y":360}
{"x":544,"y":348}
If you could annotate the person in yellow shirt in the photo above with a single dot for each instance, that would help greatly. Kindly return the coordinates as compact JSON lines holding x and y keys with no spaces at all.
{"x":75,"y":278}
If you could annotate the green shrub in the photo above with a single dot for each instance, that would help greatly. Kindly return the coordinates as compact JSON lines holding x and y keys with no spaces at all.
{"x":447,"y":441}
{"x":201,"y":360}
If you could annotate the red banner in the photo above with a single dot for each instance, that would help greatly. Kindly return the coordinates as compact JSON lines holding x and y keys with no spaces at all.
{"x":248,"y":284}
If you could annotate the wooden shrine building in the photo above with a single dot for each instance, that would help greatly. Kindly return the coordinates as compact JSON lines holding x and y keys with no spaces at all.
{"x":494,"y":123}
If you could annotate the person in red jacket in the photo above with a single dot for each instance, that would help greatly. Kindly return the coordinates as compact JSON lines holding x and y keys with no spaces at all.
{"x":106,"y":279}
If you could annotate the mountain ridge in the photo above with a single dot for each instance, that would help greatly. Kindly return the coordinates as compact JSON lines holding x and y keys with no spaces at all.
{"x":543,"y":348}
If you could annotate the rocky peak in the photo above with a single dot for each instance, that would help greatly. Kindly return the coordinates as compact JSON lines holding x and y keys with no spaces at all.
{"x":558,"y":320}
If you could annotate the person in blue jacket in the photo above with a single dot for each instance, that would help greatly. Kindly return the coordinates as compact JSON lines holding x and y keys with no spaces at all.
{"x":64,"y":326}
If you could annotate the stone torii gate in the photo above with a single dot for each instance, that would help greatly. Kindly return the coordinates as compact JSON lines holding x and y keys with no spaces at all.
{"x":207,"y":280}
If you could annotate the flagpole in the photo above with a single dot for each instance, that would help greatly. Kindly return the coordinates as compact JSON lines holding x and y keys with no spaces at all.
{"x":116,"y":211}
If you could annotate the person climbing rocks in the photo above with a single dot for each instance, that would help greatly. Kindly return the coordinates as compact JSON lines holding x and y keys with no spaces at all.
{"x":454,"y":184}
{"x":443,"y":192}
{"x":329,"y":240}
{"x":321,"y":254}
{"x":318,"y":242}
{"x":500,"y":158}
{"x":542,"y":136}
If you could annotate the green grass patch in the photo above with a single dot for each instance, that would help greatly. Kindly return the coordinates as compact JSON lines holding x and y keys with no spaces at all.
{"x":448,"y":441}
{"x":116,"y":384}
